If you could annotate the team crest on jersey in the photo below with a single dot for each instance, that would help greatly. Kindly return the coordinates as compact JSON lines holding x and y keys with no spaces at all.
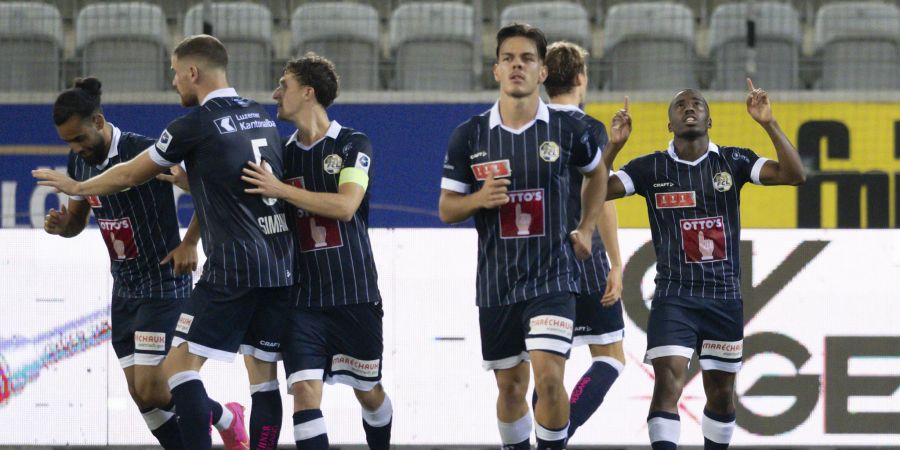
{"x":164,"y":140}
{"x":225,"y":125}
{"x":549,"y":151}
{"x":722,"y":181}
{"x":332,"y":164}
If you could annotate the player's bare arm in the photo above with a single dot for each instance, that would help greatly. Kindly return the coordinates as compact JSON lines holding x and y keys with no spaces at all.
{"x":68,"y":222}
{"x":455,"y":207}
{"x":593,"y":195}
{"x":118,"y":178}
{"x":614,"y":188}
{"x":788,"y":169}
{"x":619,"y":131}
{"x":184,"y":257}
{"x":609,"y":232}
{"x":176,"y":176}
{"x":339,"y":206}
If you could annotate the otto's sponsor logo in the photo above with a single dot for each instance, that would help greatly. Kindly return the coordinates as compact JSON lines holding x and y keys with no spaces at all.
{"x":723,"y":349}
{"x":164,"y":140}
{"x":146,"y":340}
{"x":184,"y":323}
{"x":665,"y":200}
{"x":555,"y":325}
{"x":94,"y":201}
{"x":118,"y":234}
{"x":365,"y":369}
{"x":703,"y":240}
{"x":276,"y":223}
{"x":500,"y":169}
{"x":702,"y":224}
{"x":115,"y":224}
{"x":523,"y":216}
{"x":225,"y":125}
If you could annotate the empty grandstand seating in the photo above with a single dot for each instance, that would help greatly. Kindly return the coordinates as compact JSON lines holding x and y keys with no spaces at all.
{"x":246,"y":30}
{"x":558,"y":20}
{"x":31,"y":41}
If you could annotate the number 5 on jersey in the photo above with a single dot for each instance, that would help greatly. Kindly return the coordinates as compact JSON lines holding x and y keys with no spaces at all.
{"x":257,"y":158}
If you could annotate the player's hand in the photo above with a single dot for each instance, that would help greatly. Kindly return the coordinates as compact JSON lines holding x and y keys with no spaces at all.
{"x":55,"y":221}
{"x":613,"y":291}
{"x":493,"y":193}
{"x":758,"y":104}
{"x":620,"y":126}
{"x":265,"y":183}
{"x":183,"y":258}
{"x":582,"y":240}
{"x":177,"y":176}
{"x":57,"y":180}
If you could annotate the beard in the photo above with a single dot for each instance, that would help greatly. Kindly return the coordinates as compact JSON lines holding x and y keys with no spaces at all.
{"x":94,"y":154}
{"x":189,"y":100}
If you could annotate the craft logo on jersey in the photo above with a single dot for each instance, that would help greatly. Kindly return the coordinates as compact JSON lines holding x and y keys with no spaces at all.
{"x":225,"y":125}
{"x":722,"y":181}
{"x":94,"y":201}
{"x":332,"y":164}
{"x":666,"y":200}
{"x":119,"y":237}
{"x":523,"y":216}
{"x":164,"y":140}
{"x":703,"y":240}
{"x":500,"y":169}
{"x":549,"y":151}
{"x":315,"y":232}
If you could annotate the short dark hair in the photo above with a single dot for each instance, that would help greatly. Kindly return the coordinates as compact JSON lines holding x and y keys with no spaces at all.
{"x":526,"y":31}
{"x":565,"y":61}
{"x":205,"y":47}
{"x":317,"y":72}
{"x":82,"y":100}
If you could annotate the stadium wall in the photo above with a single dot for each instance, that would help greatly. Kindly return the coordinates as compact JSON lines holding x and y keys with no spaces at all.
{"x":821,"y":348}
{"x":852,"y":151}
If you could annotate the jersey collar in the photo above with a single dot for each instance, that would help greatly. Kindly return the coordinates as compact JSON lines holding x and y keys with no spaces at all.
{"x":711,"y":148}
{"x":113,"y":147}
{"x":333,"y":131}
{"x":563,"y":107}
{"x":218,"y":93}
{"x":543,"y":114}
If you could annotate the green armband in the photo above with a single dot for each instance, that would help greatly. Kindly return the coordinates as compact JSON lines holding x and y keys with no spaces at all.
{"x":354,"y":175}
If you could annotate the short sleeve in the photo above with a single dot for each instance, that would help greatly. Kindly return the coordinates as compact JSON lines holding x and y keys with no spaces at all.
{"x":586,"y":149}
{"x":747,"y":165}
{"x":357,"y":160}
{"x":632,"y":178}
{"x":176,"y":142}
{"x":458,"y":176}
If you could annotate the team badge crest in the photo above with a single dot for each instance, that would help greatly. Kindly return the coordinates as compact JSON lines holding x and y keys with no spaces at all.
{"x":332,"y":164}
{"x":549,"y":151}
{"x":722,"y":181}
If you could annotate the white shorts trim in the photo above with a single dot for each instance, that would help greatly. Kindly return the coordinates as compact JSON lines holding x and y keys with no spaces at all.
{"x":261,"y":355}
{"x":304,"y":375}
{"x":668,"y":350}
{"x":144,"y":359}
{"x":204,"y":351}
{"x":715,"y":364}
{"x":355,"y":383}
{"x":548,"y":345}
{"x":599,"y":339}
{"x":505,"y":363}
{"x":126,"y":361}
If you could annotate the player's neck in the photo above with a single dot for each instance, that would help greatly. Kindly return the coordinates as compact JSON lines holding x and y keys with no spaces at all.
{"x":570,"y":99}
{"x":204,"y":89}
{"x":691,"y":149}
{"x":107,"y":137}
{"x":516,"y":112}
{"x":312,"y":124}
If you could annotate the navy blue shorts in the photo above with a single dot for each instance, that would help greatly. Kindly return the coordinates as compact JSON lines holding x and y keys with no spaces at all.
{"x":596,"y":325}
{"x":679,"y":326}
{"x":217,"y":321}
{"x":340,"y":344}
{"x":509,"y":332}
{"x":142,"y":329}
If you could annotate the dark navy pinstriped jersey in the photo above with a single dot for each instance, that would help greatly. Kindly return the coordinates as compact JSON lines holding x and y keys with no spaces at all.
{"x":139,"y":226}
{"x":594,"y":270}
{"x":523,"y":246}
{"x":245,"y":236}
{"x":694,"y":209}
{"x":334,"y":265}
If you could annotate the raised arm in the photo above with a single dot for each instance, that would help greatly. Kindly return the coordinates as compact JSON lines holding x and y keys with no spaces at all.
{"x":619,"y":131}
{"x":122,"y":176}
{"x":788,"y":169}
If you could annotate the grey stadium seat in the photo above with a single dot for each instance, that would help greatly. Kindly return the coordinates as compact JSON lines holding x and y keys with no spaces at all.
{"x":246,"y":30}
{"x":124,"y":45}
{"x":650,"y":46}
{"x":434,"y":46}
{"x":859,"y":45}
{"x":31,"y":40}
{"x":345,"y":33}
{"x":778,"y":40}
{"x":558,"y":20}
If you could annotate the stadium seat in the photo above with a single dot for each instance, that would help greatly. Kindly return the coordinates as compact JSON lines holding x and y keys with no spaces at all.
{"x":124,"y":45}
{"x":558,"y":20}
{"x":345,"y":33}
{"x":777,"y":46}
{"x":859,"y":45}
{"x":246,"y":30}
{"x":434,"y":46}
{"x":31,"y":41}
{"x":650,"y":46}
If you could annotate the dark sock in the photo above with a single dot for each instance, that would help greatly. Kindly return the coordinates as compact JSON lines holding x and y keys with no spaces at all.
{"x":164,"y":426}
{"x":590,"y":391}
{"x":717,"y":430}
{"x":309,"y":430}
{"x":192,"y":410}
{"x":265,"y":417}
{"x":377,"y":425}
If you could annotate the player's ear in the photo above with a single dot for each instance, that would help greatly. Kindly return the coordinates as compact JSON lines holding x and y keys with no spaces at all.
{"x":99,"y":121}
{"x":670,"y":128}
{"x":494,"y":70}
{"x":709,"y":122}
{"x":543,"y":72}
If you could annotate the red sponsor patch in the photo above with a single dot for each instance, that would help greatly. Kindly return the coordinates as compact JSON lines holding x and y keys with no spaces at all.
{"x":94,"y":201}
{"x":703,"y":240}
{"x":686,"y":199}
{"x":315,"y":232}
{"x":523,"y":216}
{"x":119,"y":237}
{"x":500,"y":168}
